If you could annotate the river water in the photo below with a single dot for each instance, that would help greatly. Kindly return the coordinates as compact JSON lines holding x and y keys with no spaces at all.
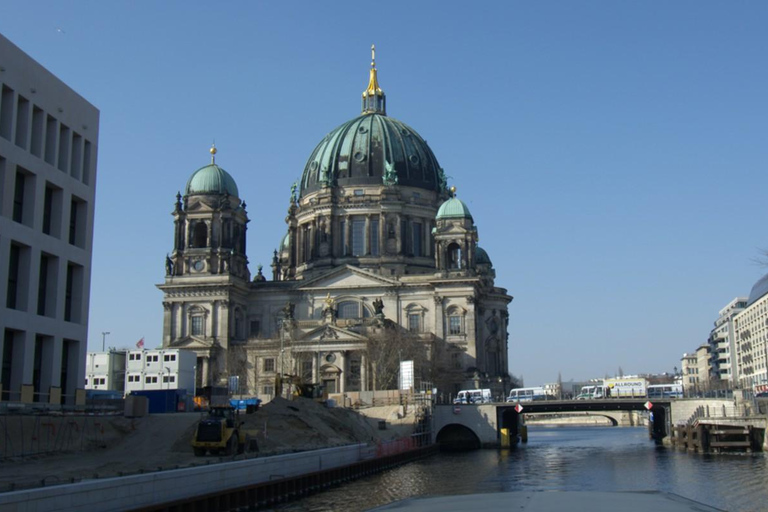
{"x":563,"y":459}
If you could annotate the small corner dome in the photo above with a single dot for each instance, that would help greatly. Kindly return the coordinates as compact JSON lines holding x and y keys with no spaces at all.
{"x":211,"y":179}
{"x":481,"y":257}
{"x":758,"y":290}
{"x":453,"y":208}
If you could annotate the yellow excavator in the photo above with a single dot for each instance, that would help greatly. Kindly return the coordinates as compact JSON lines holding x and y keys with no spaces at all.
{"x":221,"y":433}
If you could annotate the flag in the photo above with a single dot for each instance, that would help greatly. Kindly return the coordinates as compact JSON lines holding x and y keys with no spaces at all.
{"x":140,"y":343}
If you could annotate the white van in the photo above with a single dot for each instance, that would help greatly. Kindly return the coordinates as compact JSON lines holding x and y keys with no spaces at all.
{"x":473,"y":396}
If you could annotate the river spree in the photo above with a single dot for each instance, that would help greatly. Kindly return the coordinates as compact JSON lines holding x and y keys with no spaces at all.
{"x":564,"y":459}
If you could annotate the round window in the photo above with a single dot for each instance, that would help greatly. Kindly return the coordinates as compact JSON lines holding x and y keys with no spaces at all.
{"x":330,"y":358}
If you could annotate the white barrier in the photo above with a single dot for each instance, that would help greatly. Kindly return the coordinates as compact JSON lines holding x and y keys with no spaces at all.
{"x":136,"y":491}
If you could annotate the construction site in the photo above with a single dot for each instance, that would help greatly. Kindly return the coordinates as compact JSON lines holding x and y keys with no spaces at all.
{"x":46,"y":448}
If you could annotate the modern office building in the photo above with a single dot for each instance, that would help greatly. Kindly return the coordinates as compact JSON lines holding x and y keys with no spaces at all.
{"x":379,"y":263}
{"x":751,"y":332}
{"x":48,"y":147}
{"x":723,"y":370}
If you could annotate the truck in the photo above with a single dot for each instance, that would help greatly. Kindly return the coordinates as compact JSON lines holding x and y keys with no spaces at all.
{"x":626,"y":387}
{"x":592,"y":392}
{"x":221,"y":433}
{"x":473,"y":396}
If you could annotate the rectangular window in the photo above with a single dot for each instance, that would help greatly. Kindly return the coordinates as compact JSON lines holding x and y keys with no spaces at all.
{"x":417,"y":238}
{"x":64,"y":143}
{"x":76,"y":164}
{"x":414,"y":322}
{"x":358,"y":237}
{"x":374,"y":238}
{"x":255,"y":326}
{"x":38,"y":117}
{"x":24,"y":197}
{"x":197,"y":325}
{"x":306,"y":370}
{"x":269,"y":365}
{"x":51,"y":130}
{"x":147,"y":380}
{"x":42,"y":283}
{"x":18,"y":197}
{"x":13,"y":277}
{"x":268,"y":390}
{"x":17,"y":292}
{"x":87,"y":162}
{"x":454,"y":324}
{"x":73,"y":294}
{"x":7,"y":366}
{"x":22,"y":122}
{"x":77,"y":214}
{"x":6,"y":113}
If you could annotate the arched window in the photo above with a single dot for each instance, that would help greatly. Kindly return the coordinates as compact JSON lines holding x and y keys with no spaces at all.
{"x":454,"y":256}
{"x":200,"y":235}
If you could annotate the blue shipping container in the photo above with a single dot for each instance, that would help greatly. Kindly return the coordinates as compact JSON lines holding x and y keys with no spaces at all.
{"x":243,"y":404}
{"x":163,"y":400}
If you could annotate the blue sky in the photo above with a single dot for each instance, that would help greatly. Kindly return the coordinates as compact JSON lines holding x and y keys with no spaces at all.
{"x":613,"y":154}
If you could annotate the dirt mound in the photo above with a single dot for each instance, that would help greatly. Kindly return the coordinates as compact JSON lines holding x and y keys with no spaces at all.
{"x":162,"y":441}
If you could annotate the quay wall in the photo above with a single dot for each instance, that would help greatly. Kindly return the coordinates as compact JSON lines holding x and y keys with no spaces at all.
{"x":685,"y":409}
{"x":145,"y":490}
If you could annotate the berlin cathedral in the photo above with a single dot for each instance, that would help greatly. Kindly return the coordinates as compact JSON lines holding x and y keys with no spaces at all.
{"x":379,"y":263}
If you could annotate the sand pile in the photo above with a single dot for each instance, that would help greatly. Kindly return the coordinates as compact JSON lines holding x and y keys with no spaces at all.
{"x":128,"y":446}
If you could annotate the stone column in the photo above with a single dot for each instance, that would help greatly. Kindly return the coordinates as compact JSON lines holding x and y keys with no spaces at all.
{"x":399,"y":235}
{"x":348,"y":236}
{"x":167,"y":323}
{"x":343,"y":376}
{"x":382,"y":234}
{"x":205,"y":377}
{"x":312,"y":234}
{"x":363,"y":372}
{"x":439,"y":317}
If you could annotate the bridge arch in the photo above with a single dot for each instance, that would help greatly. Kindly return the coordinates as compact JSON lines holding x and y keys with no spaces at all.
{"x":457,"y":437}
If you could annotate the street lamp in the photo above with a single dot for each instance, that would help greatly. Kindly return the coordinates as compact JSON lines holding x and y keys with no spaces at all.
{"x":168,"y":381}
{"x":104,"y":339}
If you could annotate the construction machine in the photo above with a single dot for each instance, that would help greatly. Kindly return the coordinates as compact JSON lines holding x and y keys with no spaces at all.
{"x":221,"y":433}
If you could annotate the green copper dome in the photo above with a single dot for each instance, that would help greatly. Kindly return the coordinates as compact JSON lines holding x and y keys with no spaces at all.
{"x":454,"y":208}
{"x":372,"y":149}
{"x":481,"y":257}
{"x":211,"y":179}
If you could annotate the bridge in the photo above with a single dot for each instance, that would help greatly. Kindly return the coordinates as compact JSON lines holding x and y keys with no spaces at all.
{"x":480,"y":425}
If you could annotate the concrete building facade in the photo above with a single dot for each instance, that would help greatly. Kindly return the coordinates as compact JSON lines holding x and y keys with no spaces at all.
{"x":48,"y":148}
{"x":723,"y":369}
{"x":379,"y":263}
{"x":751,"y":333}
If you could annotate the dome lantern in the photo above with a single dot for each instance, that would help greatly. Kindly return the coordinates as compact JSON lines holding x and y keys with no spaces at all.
{"x":374,"y":99}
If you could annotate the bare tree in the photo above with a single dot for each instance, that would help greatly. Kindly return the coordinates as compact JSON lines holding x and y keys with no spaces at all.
{"x":386,"y":347}
{"x":445,"y":369}
{"x":238,"y":365}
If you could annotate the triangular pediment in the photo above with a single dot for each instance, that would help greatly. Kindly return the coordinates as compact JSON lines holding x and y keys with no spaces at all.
{"x":191,"y":342}
{"x":329,"y":334}
{"x":347,"y":277}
